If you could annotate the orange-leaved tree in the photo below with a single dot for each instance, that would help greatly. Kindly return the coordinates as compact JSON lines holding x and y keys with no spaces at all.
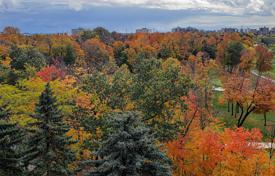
{"x":209,"y":152}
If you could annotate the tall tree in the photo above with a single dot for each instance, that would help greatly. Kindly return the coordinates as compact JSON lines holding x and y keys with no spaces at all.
{"x":9,"y":30}
{"x":50,"y":145}
{"x":157,"y":90}
{"x":22,"y":56}
{"x":264,"y":59}
{"x":248,"y":59}
{"x":11,"y":138}
{"x":232,"y":55}
{"x":210,"y":153}
{"x":97,"y":54}
{"x":129,"y":149}
{"x":103,"y":34}
{"x":120,"y":54}
{"x":249,"y":96}
{"x":70,"y":55}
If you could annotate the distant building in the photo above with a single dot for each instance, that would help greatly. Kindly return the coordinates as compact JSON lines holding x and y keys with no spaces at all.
{"x":77,"y":31}
{"x":229,"y":30}
{"x":177,"y":29}
{"x":188,"y":29}
{"x":272,"y":31}
{"x":143,"y":30}
{"x":191,"y":29}
{"x":253,"y":31}
{"x":263,"y":31}
{"x":242,"y":30}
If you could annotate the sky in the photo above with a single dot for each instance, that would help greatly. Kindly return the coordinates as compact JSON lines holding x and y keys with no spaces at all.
{"x":50,"y":16}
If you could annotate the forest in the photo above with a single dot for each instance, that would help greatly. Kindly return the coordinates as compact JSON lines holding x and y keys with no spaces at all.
{"x":102,"y":103}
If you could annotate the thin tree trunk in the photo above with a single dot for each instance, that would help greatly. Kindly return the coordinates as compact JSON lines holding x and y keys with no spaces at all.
{"x":235,"y":116}
{"x":272,"y":136}
{"x":206,"y":98}
{"x":202,"y":121}
{"x":232,"y":109}
{"x":189,"y":123}
{"x":237,"y":108}
{"x":245,"y":116}
{"x":240,"y":117}
{"x":264,"y":118}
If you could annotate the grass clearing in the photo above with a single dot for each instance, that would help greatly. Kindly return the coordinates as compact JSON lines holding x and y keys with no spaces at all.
{"x":254,"y":120}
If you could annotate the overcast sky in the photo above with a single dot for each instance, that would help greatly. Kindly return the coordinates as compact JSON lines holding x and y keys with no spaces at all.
{"x":47,"y":16}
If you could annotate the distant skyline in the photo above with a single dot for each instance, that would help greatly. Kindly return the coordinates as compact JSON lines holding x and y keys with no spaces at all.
{"x":51,"y":16}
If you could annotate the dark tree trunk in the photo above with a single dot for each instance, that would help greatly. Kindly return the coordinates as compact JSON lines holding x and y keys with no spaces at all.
{"x":202,"y":121}
{"x":232,"y":109}
{"x":272,"y":136}
{"x":245,"y":116}
{"x":240,"y":117}
{"x":264,"y":118}
{"x":237,"y":108}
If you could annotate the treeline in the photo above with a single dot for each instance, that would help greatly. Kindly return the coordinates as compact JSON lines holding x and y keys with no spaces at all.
{"x":102,"y":103}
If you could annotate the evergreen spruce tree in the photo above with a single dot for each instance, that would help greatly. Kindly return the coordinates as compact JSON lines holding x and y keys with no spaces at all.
{"x":50,"y":145}
{"x":70,"y":55}
{"x":129,"y":150}
{"x":11,"y":138}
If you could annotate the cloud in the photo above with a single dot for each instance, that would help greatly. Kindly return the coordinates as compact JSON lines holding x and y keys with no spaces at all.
{"x":58,"y":16}
{"x":233,"y":7}
{"x":75,"y":5}
{"x":210,"y":22}
{"x":9,"y":4}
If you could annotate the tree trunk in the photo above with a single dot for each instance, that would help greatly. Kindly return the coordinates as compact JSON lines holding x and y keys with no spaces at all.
{"x":235,"y":114}
{"x":240,"y":117}
{"x":245,"y":116}
{"x":202,"y":121}
{"x":272,"y":136}
{"x":237,"y":108}
{"x":206,"y":98}
{"x":264,"y":118}
{"x":232,"y":109}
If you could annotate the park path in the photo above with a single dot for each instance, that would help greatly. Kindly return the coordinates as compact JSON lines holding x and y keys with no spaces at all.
{"x":264,"y":145}
{"x":220,"y":89}
{"x":263,"y":77}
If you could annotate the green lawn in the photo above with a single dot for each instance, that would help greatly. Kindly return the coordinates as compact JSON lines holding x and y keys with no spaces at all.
{"x":217,"y":83}
{"x":253,"y":121}
{"x":272,"y":72}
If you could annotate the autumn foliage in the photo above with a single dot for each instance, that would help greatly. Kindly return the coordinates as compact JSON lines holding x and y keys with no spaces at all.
{"x":199,"y":97}
{"x":50,"y":73}
{"x":211,"y":152}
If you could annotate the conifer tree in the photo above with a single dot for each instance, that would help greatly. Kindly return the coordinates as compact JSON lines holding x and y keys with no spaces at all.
{"x":11,"y":138}
{"x":70,"y":56}
{"x":129,"y":149}
{"x":50,"y":145}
